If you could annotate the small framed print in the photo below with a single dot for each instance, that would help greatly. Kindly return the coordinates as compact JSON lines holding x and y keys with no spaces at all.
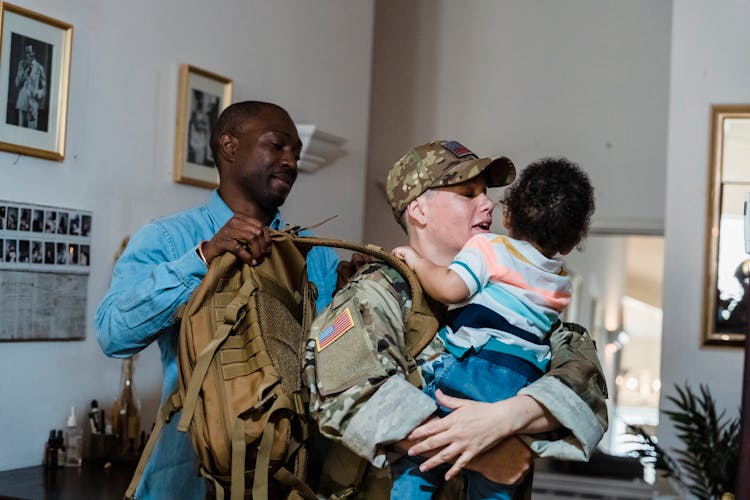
{"x":201,"y":97}
{"x":44,"y":268}
{"x":34,"y":76}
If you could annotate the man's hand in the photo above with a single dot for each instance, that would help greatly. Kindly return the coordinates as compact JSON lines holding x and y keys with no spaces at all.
{"x":244,"y":236}
{"x":347,"y":269}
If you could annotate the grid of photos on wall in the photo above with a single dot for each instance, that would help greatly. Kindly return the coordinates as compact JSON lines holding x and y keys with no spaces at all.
{"x":43,"y":238}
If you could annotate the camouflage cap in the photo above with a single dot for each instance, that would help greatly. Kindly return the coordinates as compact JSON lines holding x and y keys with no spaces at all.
{"x":441,"y":163}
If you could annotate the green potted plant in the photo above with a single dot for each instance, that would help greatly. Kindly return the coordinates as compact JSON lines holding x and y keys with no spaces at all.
{"x":707,"y":466}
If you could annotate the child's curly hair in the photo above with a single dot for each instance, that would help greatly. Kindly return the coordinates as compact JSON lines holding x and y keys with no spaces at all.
{"x":551,"y":205}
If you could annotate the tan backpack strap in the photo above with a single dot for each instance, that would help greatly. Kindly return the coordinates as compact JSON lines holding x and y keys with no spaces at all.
{"x":170,"y":406}
{"x":421,"y":324}
{"x":218,"y":488}
{"x":238,"y":461}
{"x":260,"y":481}
{"x":263,"y":460}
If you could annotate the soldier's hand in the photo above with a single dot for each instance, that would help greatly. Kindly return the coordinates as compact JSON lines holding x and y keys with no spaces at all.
{"x":347,"y":269}
{"x":507,"y":462}
{"x":242,"y":235}
{"x":470,"y":429}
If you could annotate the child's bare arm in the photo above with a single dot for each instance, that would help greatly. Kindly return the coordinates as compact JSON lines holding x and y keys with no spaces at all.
{"x":439,"y":282}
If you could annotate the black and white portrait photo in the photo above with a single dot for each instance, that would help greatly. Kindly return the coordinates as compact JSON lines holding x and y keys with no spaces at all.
{"x":35,"y":54}
{"x":49,"y":252}
{"x":24,"y":222}
{"x":62,"y":223}
{"x":75,"y":224}
{"x":23,"y":251}
{"x":83,"y":258}
{"x":62,"y":253}
{"x":37,"y":220}
{"x":28,"y":85}
{"x":11,"y":219}
{"x":36,"y":252}
{"x":85,"y":225}
{"x":11,"y":251}
{"x":50,"y":221}
{"x":204,"y":111}
{"x":201,"y":97}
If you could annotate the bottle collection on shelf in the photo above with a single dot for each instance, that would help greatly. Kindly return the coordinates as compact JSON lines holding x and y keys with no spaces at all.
{"x":110,"y":437}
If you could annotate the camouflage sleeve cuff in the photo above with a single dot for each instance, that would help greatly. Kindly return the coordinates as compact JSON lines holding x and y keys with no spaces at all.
{"x":572,"y":413}
{"x":395,"y":409}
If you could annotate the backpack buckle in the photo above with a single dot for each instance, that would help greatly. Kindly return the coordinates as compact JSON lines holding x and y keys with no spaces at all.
{"x":264,"y":403}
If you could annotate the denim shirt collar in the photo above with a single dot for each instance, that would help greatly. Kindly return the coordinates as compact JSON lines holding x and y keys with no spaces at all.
{"x":221,"y":213}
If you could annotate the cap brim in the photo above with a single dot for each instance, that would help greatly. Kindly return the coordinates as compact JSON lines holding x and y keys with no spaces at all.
{"x":500,"y":172}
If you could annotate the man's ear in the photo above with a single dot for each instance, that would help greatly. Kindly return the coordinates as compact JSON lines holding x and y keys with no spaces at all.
{"x":418,"y":210}
{"x":228,"y":146}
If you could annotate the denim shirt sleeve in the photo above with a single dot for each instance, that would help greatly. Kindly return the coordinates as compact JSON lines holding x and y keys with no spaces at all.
{"x":152,"y":278}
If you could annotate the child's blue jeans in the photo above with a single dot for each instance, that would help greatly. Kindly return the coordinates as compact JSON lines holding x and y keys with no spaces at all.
{"x":486,"y":376}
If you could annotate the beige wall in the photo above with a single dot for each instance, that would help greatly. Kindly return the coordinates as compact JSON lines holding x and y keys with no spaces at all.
{"x":587,"y":79}
{"x":710,"y":43}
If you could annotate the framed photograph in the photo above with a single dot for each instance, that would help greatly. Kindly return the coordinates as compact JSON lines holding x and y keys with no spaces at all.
{"x":727,"y":265}
{"x":201,"y":97}
{"x":34,"y":76}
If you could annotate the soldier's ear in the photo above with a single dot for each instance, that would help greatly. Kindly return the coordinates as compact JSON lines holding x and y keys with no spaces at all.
{"x":228,"y":146}
{"x":418,"y":211}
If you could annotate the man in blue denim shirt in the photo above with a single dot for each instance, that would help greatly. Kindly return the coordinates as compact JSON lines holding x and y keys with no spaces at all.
{"x":256,"y":149}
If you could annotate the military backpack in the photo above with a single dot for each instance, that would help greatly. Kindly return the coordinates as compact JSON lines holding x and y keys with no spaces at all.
{"x":241,"y":348}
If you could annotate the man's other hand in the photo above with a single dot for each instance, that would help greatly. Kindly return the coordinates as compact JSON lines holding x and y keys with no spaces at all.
{"x":347,"y":269}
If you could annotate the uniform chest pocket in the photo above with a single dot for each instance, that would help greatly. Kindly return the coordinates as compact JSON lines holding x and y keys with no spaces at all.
{"x":345,"y":352}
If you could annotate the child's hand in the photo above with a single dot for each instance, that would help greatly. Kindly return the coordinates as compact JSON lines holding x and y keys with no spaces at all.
{"x":407,"y":254}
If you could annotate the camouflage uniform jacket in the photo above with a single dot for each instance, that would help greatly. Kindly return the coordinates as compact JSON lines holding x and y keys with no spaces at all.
{"x":356,"y":347}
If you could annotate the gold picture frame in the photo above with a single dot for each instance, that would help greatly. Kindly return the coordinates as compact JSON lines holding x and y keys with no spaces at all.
{"x":725,"y":306}
{"x":35,"y":52}
{"x":201,"y":97}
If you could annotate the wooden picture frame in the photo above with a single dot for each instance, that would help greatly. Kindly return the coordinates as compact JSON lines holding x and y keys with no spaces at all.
{"x":35,"y":52}
{"x":725,"y":306}
{"x":201,"y":97}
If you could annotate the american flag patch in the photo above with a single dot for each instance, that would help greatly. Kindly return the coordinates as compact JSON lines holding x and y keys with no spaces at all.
{"x":336,"y":329}
{"x":457,"y":148}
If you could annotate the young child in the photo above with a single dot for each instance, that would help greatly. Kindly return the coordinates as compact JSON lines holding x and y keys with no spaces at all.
{"x":505,"y":294}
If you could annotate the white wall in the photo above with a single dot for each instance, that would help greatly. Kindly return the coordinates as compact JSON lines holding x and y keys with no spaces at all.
{"x":313,"y":58}
{"x":587,"y":79}
{"x":710,"y":43}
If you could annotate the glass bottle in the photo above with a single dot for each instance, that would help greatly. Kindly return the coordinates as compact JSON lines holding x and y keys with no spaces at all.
{"x":128,"y":414}
{"x":73,"y":437}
